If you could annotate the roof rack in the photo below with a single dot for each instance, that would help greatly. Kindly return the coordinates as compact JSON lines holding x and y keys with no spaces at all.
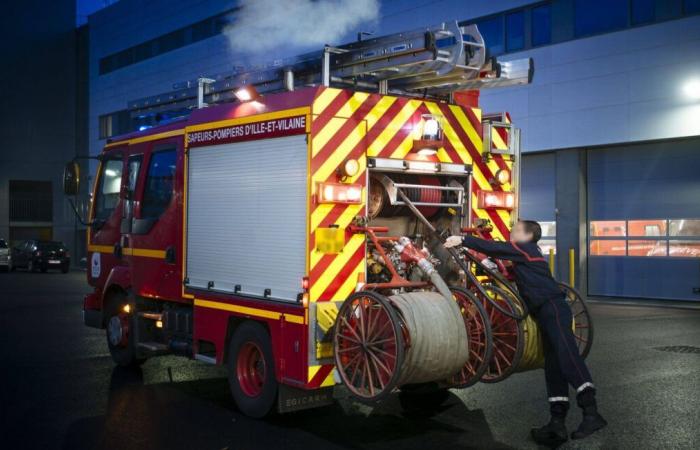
{"x":430,"y":62}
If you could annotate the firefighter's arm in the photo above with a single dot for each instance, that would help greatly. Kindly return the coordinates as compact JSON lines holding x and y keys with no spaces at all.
{"x":500,"y":250}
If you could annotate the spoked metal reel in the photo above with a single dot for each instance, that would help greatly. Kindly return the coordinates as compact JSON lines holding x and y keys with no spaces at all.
{"x":583,"y":325}
{"x":507,"y":334}
{"x":480,"y":345}
{"x":369,"y":345}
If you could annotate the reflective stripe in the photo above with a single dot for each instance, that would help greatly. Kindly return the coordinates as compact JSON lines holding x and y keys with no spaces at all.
{"x":558,"y":399}
{"x":584,"y":386}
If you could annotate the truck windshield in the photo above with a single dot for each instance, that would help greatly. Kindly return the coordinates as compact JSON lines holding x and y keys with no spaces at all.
{"x":50,"y":245}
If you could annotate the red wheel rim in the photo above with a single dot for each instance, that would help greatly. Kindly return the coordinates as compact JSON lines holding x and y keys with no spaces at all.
{"x":506,"y":336}
{"x":251,"y":369}
{"x":478,"y":341}
{"x":366,"y":346}
{"x":583,"y":328}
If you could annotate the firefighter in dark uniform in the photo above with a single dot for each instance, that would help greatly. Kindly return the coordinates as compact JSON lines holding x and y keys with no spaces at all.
{"x":547,"y":303}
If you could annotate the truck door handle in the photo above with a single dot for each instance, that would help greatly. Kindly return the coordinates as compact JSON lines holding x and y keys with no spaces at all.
{"x":170,"y":255}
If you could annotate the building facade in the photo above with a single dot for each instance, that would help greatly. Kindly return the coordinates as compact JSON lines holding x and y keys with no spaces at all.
{"x":609,"y":124}
{"x":43,"y":115}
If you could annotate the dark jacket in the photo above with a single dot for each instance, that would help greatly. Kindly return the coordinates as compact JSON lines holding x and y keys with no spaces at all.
{"x":532,"y":276}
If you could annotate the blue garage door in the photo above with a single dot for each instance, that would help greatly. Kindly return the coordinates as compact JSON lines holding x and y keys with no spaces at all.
{"x":644,"y":220}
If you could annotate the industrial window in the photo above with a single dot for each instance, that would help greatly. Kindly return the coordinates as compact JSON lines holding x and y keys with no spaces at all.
{"x":492,"y":31}
{"x":515,"y":31}
{"x":549,"y":237}
{"x":159,"y":184}
{"x":541,"y":25}
{"x":109,"y":188}
{"x":599,"y":16}
{"x":114,"y":124}
{"x":31,"y":201}
{"x":648,"y":237}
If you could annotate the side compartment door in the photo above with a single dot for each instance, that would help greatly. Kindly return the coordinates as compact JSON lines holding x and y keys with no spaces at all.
{"x":104,"y":233}
{"x":155,"y":224}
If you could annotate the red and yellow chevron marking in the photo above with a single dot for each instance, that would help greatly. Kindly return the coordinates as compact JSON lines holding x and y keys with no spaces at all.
{"x":320,"y":376}
{"x":356,"y":125}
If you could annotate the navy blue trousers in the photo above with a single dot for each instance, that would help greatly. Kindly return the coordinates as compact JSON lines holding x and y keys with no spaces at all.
{"x":563,"y":365}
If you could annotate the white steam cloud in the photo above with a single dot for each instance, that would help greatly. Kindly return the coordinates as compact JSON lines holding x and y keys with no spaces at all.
{"x":273,"y":25}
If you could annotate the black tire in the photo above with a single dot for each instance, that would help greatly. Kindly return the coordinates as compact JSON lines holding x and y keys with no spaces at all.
{"x":422,"y":399}
{"x":124,"y":353}
{"x":44,"y":269}
{"x":259,"y":400}
{"x":30,"y":266}
{"x":65,"y":268}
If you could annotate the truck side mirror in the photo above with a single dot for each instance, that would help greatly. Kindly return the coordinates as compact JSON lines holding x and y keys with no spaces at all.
{"x":71,"y":178}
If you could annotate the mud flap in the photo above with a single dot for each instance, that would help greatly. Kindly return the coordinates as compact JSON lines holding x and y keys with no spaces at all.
{"x":291,"y":399}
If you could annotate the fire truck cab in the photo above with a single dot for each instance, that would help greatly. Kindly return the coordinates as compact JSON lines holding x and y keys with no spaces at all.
{"x":233,"y":235}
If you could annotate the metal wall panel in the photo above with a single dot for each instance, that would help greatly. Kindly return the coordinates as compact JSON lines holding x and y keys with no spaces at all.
{"x":246,"y":216}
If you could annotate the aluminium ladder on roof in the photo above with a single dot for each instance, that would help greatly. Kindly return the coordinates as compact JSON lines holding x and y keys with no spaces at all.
{"x":430,"y":62}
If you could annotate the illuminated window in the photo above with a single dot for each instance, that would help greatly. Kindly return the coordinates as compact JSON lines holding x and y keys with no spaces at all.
{"x":646,"y":248}
{"x":684,"y":249}
{"x":684,"y":227}
{"x":608,"y":247}
{"x":605,"y":228}
{"x":646,"y":228}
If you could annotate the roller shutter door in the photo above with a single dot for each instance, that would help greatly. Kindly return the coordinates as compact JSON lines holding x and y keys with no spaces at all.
{"x":246,"y":217}
{"x":637,"y":197}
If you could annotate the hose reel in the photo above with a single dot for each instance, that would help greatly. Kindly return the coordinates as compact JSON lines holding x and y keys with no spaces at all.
{"x":381,"y":343}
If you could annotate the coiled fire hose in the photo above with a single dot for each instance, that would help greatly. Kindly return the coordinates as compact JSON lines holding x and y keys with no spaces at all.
{"x":520,"y":315}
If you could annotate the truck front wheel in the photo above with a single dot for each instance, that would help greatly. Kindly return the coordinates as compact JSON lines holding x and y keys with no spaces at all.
{"x":119,"y":326}
{"x":251,"y":370}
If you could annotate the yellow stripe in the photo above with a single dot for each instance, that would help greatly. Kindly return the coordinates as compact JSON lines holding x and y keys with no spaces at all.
{"x":468,"y":128}
{"x":128,"y":251}
{"x":497,"y":140}
{"x":319,"y":214}
{"x":378,"y":111}
{"x":340,"y":153}
{"x":329,"y":130}
{"x":324,"y":99}
{"x":251,"y":119}
{"x":405,"y":146}
{"x":352,"y":104}
{"x":336,"y":266}
{"x":350,"y":283}
{"x":151,"y":137}
{"x":313,"y":370}
{"x":391,"y":129}
{"x":329,"y":381}
{"x":248,"y":311}
{"x":101,"y":248}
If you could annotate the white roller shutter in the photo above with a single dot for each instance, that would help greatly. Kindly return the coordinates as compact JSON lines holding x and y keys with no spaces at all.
{"x":246,"y":216}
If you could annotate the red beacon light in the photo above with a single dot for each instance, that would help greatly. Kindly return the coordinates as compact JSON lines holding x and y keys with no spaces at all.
{"x":496,"y":200}
{"x":339,"y":193}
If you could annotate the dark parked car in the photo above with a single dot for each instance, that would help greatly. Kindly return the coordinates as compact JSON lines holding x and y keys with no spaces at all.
{"x":41,"y":255}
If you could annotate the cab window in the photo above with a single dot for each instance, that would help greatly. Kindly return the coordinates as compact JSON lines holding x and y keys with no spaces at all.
{"x":108,"y":190}
{"x":134,"y":166}
{"x":160,"y":179}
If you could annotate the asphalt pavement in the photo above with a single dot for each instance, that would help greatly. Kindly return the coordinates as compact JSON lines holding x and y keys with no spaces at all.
{"x":60,"y":390}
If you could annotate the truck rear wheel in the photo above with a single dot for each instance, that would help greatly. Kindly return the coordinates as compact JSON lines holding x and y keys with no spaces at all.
{"x":119,"y":327}
{"x":251,"y":370}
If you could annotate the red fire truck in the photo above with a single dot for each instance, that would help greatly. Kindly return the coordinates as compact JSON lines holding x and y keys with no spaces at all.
{"x":268,"y":221}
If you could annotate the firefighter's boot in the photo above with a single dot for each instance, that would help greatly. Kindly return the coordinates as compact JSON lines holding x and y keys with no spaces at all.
{"x":592,"y":420}
{"x":554,"y":433}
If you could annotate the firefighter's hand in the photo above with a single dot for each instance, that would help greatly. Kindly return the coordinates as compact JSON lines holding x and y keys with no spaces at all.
{"x":453,"y":241}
